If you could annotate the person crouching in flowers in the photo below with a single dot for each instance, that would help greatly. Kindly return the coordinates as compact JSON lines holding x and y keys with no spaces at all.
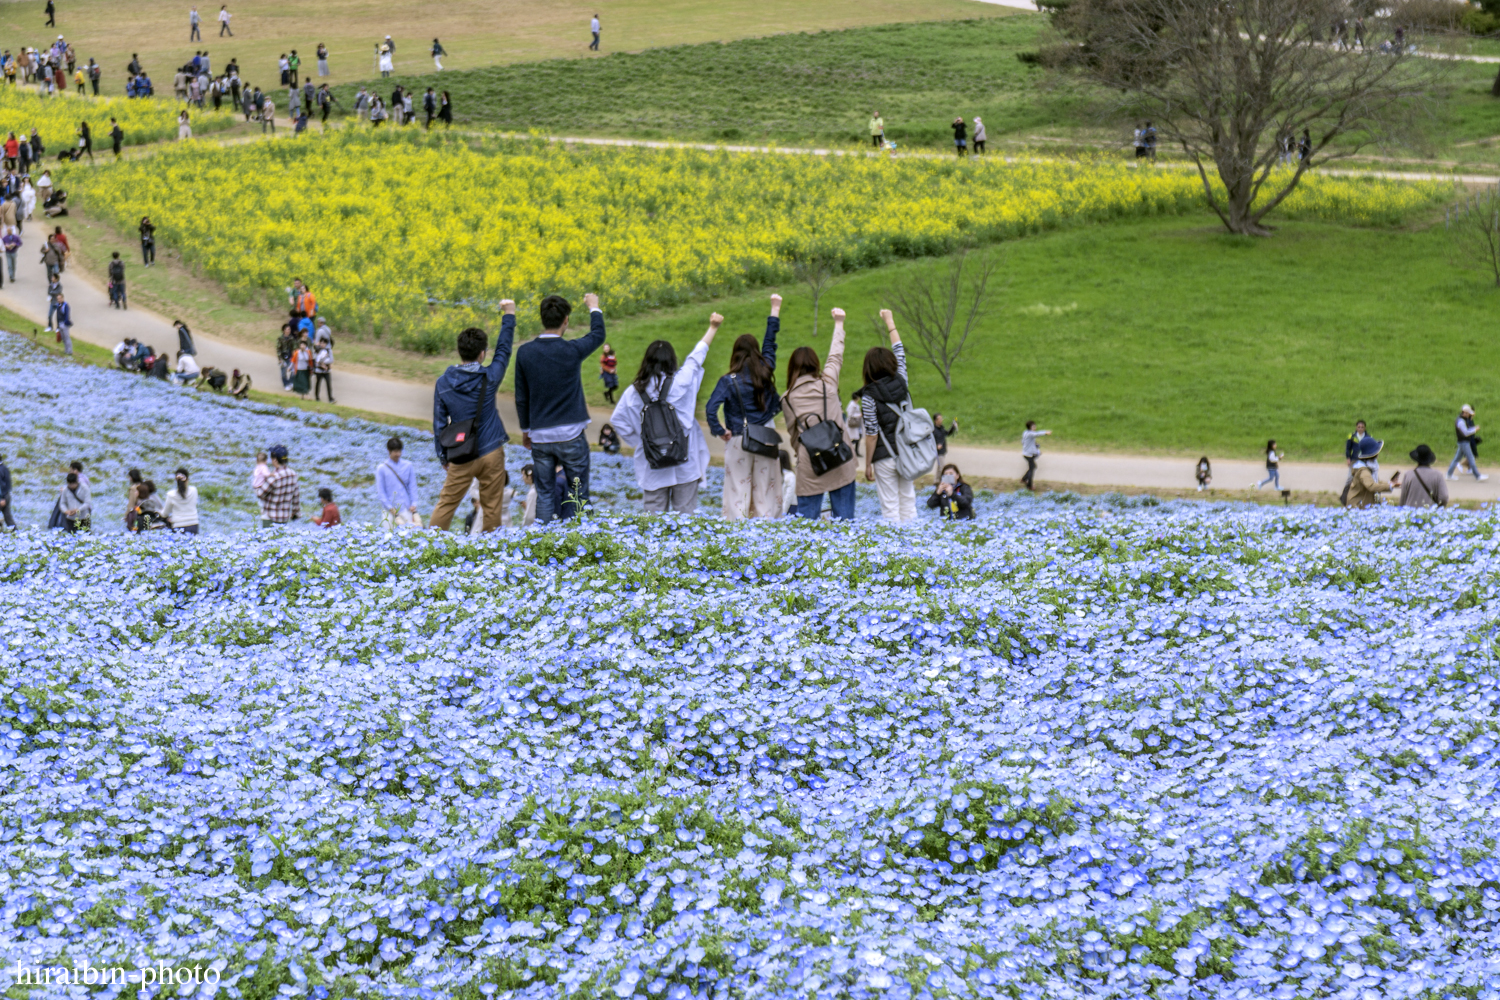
{"x":669,"y":461}
{"x":1365,"y":486}
{"x":952,"y":497}
{"x":328,"y":515}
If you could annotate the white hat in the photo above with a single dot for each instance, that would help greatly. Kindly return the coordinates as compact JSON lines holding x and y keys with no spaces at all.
{"x":1466,"y":408}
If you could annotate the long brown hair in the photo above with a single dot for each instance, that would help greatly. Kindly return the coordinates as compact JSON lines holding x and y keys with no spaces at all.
{"x":880,"y":362}
{"x":804,"y":361}
{"x":745,"y":359}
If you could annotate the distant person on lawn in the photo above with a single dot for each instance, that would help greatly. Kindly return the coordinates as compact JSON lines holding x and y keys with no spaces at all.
{"x":593,"y":28}
{"x":877,"y":130}
{"x":467,"y":431}
{"x":960,"y":136}
{"x":941,"y":436}
{"x":550,"y":403}
{"x":1425,"y":487}
{"x":1366,"y":487}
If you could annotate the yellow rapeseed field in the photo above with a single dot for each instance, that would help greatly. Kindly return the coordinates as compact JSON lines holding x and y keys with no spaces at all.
{"x":409,"y":235}
{"x":56,"y":118}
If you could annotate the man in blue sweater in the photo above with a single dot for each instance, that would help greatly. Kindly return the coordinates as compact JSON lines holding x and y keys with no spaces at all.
{"x":467,"y":392}
{"x":549,"y":401}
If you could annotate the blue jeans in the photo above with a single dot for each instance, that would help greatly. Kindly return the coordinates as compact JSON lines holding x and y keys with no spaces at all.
{"x":841,"y":499}
{"x":1273,"y":475}
{"x":573,"y":457}
{"x":1465,"y":450}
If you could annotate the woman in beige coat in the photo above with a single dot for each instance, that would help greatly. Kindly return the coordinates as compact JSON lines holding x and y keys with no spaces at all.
{"x":812,"y":396}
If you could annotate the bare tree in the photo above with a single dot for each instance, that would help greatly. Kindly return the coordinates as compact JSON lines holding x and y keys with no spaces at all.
{"x":1474,"y":232}
{"x":931,"y":304}
{"x":815,"y":267}
{"x":1228,"y":80}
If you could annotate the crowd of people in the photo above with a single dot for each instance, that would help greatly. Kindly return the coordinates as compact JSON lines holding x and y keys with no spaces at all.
{"x":304,"y":350}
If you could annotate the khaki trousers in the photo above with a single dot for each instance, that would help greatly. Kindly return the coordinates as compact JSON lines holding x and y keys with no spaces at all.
{"x":489,"y":469}
{"x":752,"y":483}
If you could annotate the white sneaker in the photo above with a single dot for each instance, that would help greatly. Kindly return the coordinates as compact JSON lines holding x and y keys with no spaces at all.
{"x":1450,"y":477}
{"x":1483,"y":478}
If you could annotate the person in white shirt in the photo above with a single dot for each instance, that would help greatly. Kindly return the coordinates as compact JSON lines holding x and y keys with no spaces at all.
{"x":224,"y":22}
{"x":671,"y":487}
{"x":188,"y":369}
{"x":594,"y":28}
{"x":788,"y":484}
{"x":179,"y":507}
{"x":396,"y":489}
{"x":1031,"y":451}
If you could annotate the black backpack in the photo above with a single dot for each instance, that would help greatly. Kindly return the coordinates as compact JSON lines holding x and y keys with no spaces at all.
{"x":662,"y":437}
{"x":824,"y":440}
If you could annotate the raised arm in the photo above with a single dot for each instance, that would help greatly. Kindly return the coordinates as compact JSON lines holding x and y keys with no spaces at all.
{"x":503,"y":343}
{"x":690,"y":376}
{"x":896,"y":347}
{"x":591,"y":342}
{"x":773,"y":327}
{"x":834,"y":363}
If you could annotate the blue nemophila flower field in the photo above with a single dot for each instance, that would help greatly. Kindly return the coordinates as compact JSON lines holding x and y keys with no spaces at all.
{"x":1070,"y":750}
{"x":1074,"y":749}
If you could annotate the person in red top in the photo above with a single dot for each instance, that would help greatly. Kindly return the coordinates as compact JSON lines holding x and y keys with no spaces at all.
{"x":61,"y":240}
{"x":12,"y":151}
{"x":329,"y":515}
{"x":607,"y":364}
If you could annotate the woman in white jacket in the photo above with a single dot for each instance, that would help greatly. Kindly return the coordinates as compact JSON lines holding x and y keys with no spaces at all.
{"x":179,"y":507}
{"x":674,"y":487}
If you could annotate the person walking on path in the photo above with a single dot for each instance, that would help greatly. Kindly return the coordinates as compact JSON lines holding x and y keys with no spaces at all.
{"x":429,"y":107}
{"x":951,"y":497}
{"x":85,"y":141}
{"x":877,"y":130}
{"x":322,"y":54}
{"x":302,"y":368}
{"x":1351,"y":443}
{"x":148,"y":241}
{"x":609,"y":373}
{"x":116,"y":137}
{"x":661,"y":385}
{"x":1425,"y":487}
{"x":184,"y":338}
{"x":323,"y":372}
{"x":445,"y":110}
{"x":437,"y":55}
{"x":63,"y":313}
{"x":1366,"y":486}
{"x":940,"y":437}
{"x":467,"y":430}
{"x":960,"y":136}
{"x":194,"y":34}
{"x":396,"y":489}
{"x":550,"y":403}
{"x":593,"y":28}
{"x":1467,"y":432}
{"x":73,"y":504}
{"x":11,"y":242}
{"x":51,"y":12}
{"x":812,"y":400}
{"x":747,"y":394}
{"x":5,"y":511}
{"x":885,"y":389}
{"x":224,"y":16}
{"x":1031,"y":451}
{"x":1204,"y":473}
{"x":1273,"y":466}
{"x":179,"y":508}
{"x":280,"y":502}
{"x":978,"y":136}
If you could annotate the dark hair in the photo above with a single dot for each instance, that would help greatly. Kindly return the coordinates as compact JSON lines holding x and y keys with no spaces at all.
{"x":472,"y":343}
{"x":660,"y":359}
{"x":880,"y":362}
{"x":745,"y":359}
{"x":786,"y":460}
{"x":76,"y":466}
{"x":528,"y":470}
{"x":1270,"y":444}
{"x":804,"y":361}
{"x":1031,"y":425}
{"x":134,"y":475}
{"x":183,"y":485}
{"x":147,"y":488}
{"x":555,"y":310}
{"x":957,"y":474}
{"x":72,"y":478}
{"x":326,"y":495}
{"x":394,"y":444}
{"x":116,"y":255}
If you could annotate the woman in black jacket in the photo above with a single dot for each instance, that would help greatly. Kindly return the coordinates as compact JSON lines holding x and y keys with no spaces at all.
{"x":953,"y":497}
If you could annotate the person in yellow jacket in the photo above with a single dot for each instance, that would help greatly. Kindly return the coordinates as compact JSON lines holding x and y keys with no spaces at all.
{"x":1365,"y":486}
{"x":877,"y":130}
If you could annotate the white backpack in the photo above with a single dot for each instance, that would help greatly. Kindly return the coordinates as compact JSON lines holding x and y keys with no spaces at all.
{"x":916,"y":445}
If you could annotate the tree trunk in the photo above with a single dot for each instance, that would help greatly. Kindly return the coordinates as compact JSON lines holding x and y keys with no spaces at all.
{"x":1239,"y":219}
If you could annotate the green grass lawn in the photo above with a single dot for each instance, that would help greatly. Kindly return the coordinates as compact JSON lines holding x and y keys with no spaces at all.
{"x":1170,"y":336}
{"x":818,"y":87}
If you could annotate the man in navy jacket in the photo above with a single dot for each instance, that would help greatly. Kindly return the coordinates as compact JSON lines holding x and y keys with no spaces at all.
{"x":549,"y":401}
{"x":467,"y":392}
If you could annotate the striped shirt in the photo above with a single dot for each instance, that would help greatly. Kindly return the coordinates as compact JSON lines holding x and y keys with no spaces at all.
{"x":867,"y":405}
